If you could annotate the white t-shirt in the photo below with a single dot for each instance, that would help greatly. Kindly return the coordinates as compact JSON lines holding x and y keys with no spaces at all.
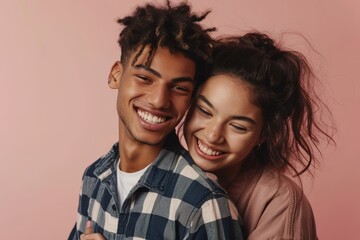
{"x":126,"y":181}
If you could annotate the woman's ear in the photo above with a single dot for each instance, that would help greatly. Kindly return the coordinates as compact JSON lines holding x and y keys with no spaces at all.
{"x":115,"y":74}
{"x":260,"y":140}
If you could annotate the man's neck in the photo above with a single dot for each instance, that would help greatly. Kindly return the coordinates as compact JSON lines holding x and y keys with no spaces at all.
{"x":136,"y":156}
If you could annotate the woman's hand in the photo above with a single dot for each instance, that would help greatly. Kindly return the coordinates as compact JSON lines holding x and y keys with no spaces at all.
{"x":89,"y":235}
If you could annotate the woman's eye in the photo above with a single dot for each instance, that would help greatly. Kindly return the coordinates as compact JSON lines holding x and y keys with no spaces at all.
{"x":203,"y":111}
{"x":240,"y":128}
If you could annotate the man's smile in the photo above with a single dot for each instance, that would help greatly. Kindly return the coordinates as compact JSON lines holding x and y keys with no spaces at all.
{"x":149,"y":118}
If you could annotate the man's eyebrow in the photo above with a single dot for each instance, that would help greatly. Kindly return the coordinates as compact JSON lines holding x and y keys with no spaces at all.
{"x":148,"y":69}
{"x":157,"y":74}
{"x":242,"y":118}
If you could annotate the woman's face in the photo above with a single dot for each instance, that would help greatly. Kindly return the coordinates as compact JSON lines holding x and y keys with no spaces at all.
{"x":223,"y":126}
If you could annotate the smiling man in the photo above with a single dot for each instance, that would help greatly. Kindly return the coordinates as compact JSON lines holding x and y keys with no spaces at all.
{"x":147,"y":186}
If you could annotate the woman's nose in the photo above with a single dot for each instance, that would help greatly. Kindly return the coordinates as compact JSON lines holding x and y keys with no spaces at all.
{"x":214,"y":132}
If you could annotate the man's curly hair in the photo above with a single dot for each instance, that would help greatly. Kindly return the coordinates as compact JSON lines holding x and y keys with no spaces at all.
{"x":172,"y":27}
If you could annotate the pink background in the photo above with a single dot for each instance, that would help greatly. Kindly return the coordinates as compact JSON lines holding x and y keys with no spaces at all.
{"x":58,"y":115}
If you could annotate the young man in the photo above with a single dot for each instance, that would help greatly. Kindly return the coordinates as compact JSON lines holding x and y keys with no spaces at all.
{"x":147,"y":187}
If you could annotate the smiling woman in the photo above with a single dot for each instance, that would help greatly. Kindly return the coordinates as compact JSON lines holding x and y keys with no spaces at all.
{"x":253,"y":123}
{"x":223,"y":113}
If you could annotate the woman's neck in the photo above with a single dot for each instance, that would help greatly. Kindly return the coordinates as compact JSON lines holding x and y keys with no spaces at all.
{"x":226,"y":176}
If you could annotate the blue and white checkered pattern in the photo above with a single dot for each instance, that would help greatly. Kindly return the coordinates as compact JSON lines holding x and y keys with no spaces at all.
{"x":174,"y":199}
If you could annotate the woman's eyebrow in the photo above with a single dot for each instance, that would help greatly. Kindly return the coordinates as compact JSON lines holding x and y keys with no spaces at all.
{"x":243,"y":118}
{"x":235,"y":117}
{"x":204,"y":99}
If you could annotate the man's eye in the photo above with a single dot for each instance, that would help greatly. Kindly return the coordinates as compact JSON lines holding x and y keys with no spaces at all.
{"x":181,"y":88}
{"x":143,"y":78}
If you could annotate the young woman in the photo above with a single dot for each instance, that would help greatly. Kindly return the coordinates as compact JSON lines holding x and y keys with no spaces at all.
{"x":253,"y":125}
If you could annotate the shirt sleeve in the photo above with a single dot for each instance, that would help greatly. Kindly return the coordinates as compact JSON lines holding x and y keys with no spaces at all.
{"x":217,"y":218}
{"x":74,"y":235}
{"x":82,"y":211}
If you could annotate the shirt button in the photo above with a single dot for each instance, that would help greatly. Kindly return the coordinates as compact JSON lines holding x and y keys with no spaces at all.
{"x":113,"y":207}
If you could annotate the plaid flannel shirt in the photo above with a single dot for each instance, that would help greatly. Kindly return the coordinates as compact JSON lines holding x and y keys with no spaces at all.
{"x":174,"y":199}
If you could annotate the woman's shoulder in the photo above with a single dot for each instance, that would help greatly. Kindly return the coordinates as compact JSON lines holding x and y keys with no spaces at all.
{"x":277,"y":188}
{"x":273,"y":199}
{"x":280,"y":185}
{"x":265,"y":184}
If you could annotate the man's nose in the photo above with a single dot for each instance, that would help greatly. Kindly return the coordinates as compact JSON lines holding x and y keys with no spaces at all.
{"x":159,"y":97}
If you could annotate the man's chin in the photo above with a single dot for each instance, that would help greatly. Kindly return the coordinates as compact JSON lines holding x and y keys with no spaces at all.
{"x":151,"y":143}
{"x":155,"y":142}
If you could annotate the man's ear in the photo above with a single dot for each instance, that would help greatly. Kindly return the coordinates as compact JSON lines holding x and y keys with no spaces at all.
{"x":115,"y":74}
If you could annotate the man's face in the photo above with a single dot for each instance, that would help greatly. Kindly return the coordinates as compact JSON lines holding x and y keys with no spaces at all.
{"x":152,"y":100}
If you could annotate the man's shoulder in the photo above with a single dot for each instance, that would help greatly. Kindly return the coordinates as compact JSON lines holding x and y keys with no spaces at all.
{"x":103,"y":164}
{"x":190,"y":177}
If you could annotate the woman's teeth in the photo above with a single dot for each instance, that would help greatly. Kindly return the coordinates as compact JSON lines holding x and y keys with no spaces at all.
{"x":207,"y":150}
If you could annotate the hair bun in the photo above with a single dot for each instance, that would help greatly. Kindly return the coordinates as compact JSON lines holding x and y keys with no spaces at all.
{"x":259,"y":41}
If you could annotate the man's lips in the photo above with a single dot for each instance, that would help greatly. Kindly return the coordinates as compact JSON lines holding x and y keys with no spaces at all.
{"x":150,"y":118}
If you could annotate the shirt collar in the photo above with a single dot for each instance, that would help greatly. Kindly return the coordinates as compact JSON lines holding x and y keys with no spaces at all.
{"x":155,"y":177}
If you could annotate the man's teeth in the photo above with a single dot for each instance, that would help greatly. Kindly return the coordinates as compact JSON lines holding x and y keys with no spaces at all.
{"x":207,"y":150}
{"x":148,"y":117}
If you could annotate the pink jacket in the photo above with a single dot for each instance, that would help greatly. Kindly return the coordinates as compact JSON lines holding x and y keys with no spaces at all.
{"x":273,"y":207}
